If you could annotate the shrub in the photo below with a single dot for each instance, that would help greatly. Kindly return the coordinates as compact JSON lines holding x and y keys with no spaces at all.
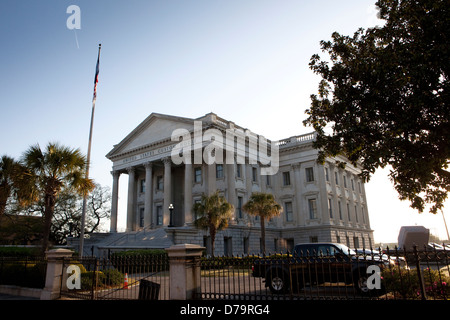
{"x":19,"y":252}
{"x":30,"y":274}
{"x":113,"y":277}
{"x":145,"y":260}
{"x":88,"y":277}
{"x":406,"y":283}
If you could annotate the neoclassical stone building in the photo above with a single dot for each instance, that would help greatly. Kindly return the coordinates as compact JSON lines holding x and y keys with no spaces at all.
{"x":165,"y":160}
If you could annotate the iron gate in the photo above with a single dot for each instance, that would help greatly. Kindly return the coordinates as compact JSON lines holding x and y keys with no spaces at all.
{"x":116,"y":278}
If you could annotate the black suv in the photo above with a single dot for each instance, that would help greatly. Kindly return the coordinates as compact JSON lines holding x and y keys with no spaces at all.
{"x":316,"y":263}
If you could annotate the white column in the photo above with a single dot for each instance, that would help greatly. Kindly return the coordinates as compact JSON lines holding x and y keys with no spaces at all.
{"x":114,"y":201}
{"x":131,"y":195}
{"x":167,"y":189}
{"x":324,"y":213}
{"x":211,"y":176}
{"x":231,"y":186}
{"x":299,"y":217}
{"x":148,"y":202}
{"x":188,"y":217}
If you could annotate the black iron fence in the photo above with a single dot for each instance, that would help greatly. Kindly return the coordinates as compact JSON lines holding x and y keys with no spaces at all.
{"x":366,"y":274}
{"x":23,"y":271}
{"x":117,"y":278}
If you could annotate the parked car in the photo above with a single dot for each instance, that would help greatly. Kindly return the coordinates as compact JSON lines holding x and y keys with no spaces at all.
{"x":391,"y":259}
{"x":316,"y":263}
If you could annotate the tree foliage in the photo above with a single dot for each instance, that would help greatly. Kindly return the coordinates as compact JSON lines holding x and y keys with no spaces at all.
{"x":213,"y":213}
{"x":54,"y":169}
{"x":264,"y":206}
{"x":384,"y":99}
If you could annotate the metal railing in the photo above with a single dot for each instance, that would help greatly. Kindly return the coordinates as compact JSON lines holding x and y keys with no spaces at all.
{"x":394,"y":275}
{"x":117,"y":278}
{"x":23,"y":271}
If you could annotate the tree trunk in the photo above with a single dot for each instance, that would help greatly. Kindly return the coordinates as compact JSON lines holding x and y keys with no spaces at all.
{"x":263,"y":235}
{"x":212,"y":233}
{"x":50,"y":201}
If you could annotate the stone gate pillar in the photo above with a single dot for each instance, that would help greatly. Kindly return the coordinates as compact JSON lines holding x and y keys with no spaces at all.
{"x":54,"y":275}
{"x":184,"y":261}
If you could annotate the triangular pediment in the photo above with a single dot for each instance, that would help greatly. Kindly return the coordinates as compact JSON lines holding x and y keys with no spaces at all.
{"x":157,"y":128}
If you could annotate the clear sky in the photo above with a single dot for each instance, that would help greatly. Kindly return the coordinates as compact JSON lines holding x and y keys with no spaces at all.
{"x":245,"y":60}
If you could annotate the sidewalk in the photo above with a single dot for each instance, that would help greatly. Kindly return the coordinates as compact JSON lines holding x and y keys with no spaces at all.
{"x":4,"y":296}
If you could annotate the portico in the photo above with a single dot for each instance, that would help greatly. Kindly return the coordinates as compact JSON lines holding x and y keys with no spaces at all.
{"x":149,"y":195}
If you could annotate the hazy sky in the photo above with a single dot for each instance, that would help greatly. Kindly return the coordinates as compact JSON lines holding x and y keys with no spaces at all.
{"x":245,"y":60}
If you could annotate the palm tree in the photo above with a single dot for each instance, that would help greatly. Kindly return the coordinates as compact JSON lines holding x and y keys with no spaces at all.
{"x":14,"y":180}
{"x":213,"y":213}
{"x":54,"y":169}
{"x":262,"y":205}
{"x":7,"y":170}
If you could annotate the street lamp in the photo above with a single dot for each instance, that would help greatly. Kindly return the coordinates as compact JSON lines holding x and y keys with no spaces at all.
{"x":171,"y":214}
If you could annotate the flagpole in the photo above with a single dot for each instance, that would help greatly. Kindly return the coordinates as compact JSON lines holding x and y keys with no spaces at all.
{"x":83,"y":213}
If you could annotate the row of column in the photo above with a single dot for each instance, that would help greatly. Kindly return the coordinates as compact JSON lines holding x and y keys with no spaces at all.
{"x":149,"y":213}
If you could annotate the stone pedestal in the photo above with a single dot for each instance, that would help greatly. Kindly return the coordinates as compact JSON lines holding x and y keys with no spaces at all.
{"x":184,"y":260}
{"x":55,"y":259}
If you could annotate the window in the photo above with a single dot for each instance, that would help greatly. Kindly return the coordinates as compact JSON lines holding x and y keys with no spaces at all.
{"x":160,"y":182}
{"x":312,"y":208}
{"x":340,"y":210}
{"x":159,"y":215}
{"x":286,"y":178}
{"x":356,"y":214}
{"x":309,"y":174}
{"x":198,"y":175}
{"x":268,"y":180}
{"x":246,"y":243}
{"x":141,"y":217}
{"x":239,"y":208}
{"x":238,"y":170}
{"x":330,"y":208}
{"x":336,"y":178}
{"x":353,"y":184}
{"x":254,"y":174}
{"x":288,"y":209}
{"x":142,"y":185}
{"x":313,"y":239}
{"x":228,"y":246}
{"x":195,"y":202}
{"x":327,"y":174}
{"x":219,"y":171}
{"x":345,"y":181}
{"x":356,"y":242}
{"x":348,"y":212}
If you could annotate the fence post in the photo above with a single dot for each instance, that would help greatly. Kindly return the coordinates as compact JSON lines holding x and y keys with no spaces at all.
{"x":419,"y":274}
{"x":184,"y":274}
{"x":54,"y":275}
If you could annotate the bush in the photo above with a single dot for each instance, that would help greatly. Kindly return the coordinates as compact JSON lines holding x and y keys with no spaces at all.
{"x":88,"y":277}
{"x":406,"y":283}
{"x":113,"y":277}
{"x":30,"y":274}
{"x":19,"y":252}
{"x":138,"y":253}
{"x":145,"y":260}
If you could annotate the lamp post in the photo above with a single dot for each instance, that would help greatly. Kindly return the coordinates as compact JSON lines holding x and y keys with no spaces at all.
{"x":171,"y":214}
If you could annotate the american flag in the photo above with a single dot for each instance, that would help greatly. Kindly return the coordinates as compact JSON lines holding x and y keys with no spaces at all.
{"x":97,"y":70}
